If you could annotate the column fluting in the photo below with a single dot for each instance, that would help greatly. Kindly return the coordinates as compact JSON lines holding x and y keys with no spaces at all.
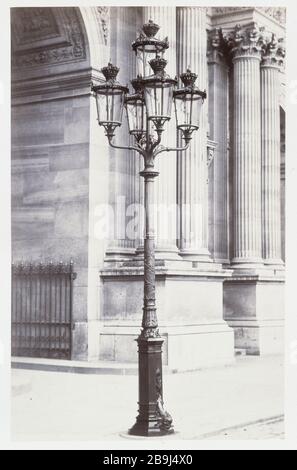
{"x":218,"y":108}
{"x":271,"y":224}
{"x":192,"y":172}
{"x":247,"y":149}
{"x":123,"y":182}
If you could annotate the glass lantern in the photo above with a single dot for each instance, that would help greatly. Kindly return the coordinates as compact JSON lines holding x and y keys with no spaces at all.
{"x":188,"y":103}
{"x":147,"y":47}
{"x":158,"y":93}
{"x":110,"y":99}
{"x":136,"y":110}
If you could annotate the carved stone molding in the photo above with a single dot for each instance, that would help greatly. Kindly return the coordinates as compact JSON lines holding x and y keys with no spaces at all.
{"x":51,"y":36}
{"x":211,"y":147}
{"x":104,"y":16}
{"x":277,"y":13}
{"x":224,"y":10}
{"x":49,"y":87}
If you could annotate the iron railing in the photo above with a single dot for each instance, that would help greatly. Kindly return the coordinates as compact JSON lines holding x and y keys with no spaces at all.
{"x":42,"y":309}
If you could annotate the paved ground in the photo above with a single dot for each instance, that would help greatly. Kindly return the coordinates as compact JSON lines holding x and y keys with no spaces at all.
{"x":56,"y":406}
{"x":269,"y":429}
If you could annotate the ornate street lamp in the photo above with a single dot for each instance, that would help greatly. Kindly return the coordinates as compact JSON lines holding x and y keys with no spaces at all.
{"x":147,"y":46}
{"x":136,"y":110}
{"x":148,"y":109}
{"x":109,"y":99}
{"x":188,"y":102}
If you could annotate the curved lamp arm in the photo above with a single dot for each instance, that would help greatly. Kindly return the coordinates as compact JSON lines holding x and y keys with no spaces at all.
{"x":123,"y":147}
{"x":172,"y":149}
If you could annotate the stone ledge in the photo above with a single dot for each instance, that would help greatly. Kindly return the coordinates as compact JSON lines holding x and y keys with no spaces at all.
{"x":254,"y":322}
{"x":133,"y":328}
{"x":201,"y":272}
{"x":256,"y":277}
{"x":53,"y":87}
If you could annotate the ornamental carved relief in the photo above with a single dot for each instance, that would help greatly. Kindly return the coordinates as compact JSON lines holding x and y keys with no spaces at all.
{"x":104,"y":16}
{"x":164,"y":418}
{"x":33,"y":24}
{"x":53,"y":36}
{"x":210,"y":155}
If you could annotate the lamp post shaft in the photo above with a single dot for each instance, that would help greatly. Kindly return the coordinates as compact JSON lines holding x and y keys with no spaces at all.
{"x":149,"y":320}
{"x":152,"y":419}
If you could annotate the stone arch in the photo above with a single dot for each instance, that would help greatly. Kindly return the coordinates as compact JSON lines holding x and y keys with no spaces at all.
{"x":57,"y":41}
{"x":57,"y":177}
{"x":97,"y":26}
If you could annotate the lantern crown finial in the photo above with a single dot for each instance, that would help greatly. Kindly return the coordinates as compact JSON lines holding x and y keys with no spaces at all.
{"x":188,"y":78}
{"x":150,"y":29}
{"x":110,"y":72}
{"x":158,"y":65}
{"x":137,"y":83}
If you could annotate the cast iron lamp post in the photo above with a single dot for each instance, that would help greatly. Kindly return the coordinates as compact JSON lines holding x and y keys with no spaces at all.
{"x":148,"y":109}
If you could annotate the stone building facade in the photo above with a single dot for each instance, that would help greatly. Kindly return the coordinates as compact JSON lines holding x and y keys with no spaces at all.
{"x":220,"y":271}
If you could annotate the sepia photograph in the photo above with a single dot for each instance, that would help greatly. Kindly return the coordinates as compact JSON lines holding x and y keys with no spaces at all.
{"x":148,"y":201}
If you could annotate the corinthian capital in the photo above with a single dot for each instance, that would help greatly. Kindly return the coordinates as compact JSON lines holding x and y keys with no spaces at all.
{"x":217,"y":47}
{"x":245,"y":42}
{"x":273,"y":51}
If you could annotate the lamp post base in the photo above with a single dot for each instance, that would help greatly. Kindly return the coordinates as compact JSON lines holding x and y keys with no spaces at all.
{"x":149,"y":429}
{"x":153,"y":419}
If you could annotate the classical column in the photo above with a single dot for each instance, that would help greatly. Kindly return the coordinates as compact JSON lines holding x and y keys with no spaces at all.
{"x":123,"y":166}
{"x":246,"y":52}
{"x":218,"y":103}
{"x":165,"y":190}
{"x":192,"y":164}
{"x":271,"y":223}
